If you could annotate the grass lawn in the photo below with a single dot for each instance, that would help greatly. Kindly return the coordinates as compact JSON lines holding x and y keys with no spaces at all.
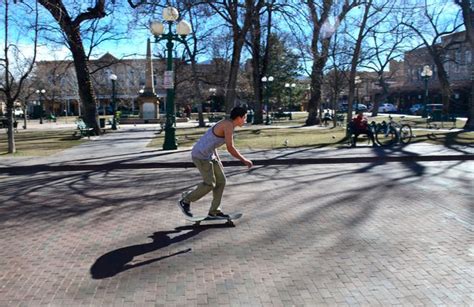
{"x":39,"y":143}
{"x":275,"y":136}
{"x":280,"y":134}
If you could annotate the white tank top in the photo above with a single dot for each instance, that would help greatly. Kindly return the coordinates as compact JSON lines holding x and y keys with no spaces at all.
{"x":204,"y":147}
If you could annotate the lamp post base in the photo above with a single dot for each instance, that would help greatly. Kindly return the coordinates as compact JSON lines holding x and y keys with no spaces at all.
{"x":267,"y":120}
{"x":170,"y":139}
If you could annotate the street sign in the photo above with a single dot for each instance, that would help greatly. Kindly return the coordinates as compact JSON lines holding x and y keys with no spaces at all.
{"x":168,"y":80}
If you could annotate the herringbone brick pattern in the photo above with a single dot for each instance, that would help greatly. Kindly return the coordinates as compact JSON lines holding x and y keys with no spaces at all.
{"x":345,"y":235}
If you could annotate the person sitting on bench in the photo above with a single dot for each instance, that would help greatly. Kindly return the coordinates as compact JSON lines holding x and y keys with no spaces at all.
{"x":360,"y":126}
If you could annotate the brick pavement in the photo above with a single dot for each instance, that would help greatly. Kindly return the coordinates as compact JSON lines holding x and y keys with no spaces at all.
{"x":338,"y":234}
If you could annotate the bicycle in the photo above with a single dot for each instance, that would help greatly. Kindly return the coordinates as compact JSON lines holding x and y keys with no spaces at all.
{"x":387,"y":134}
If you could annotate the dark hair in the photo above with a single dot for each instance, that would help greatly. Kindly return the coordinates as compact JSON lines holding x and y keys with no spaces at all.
{"x":237,"y":112}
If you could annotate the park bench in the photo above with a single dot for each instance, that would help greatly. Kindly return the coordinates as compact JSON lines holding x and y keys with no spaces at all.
{"x":84,"y":130}
{"x":281,"y":114}
{"x":213,"y":118}
{"x":340,"y":119}
{"x":436,"y":119}
{"x":51,"y":118}
{"x":4,"y":124}
{"x":352,"y":135}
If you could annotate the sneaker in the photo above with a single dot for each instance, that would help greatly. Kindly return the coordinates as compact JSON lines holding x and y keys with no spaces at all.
{"x":186,"y":208}
{"x":218,"y":214}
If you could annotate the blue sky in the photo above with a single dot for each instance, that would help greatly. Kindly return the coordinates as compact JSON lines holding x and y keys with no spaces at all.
{"x":134,"y":43}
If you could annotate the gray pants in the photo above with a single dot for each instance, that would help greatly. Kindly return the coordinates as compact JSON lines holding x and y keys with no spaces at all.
{"x":214,"y":180}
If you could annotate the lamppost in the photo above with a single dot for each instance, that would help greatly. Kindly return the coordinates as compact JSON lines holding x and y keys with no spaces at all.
{"x":266,"y":80}
{"x":213,"y":91}
{"x":426,"y":74}
{"x":290,"y":88}
{"x":40,"y":97}
{"x":170,"y":15}
{"x":113,"y":78}
{"x":357,"y":81}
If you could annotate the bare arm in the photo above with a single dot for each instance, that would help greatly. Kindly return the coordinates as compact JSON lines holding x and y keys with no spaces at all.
{"x":229,"y":142}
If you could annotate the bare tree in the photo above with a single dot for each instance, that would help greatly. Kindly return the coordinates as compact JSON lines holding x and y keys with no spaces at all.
{"x":198,"y":14}
{"x":255,"y":43}
{"x":321,"y":35}
{"x":73,"y":29}
{"x":15,"y":66}
{"x":336,"y":75}
{"x":429,"y":29}
{"x":384,"y":42}
{"x":239,"y":17}
{"x":467,"y":8}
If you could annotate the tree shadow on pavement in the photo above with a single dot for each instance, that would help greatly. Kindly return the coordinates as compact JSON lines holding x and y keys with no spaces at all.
{"x":120,"y":260}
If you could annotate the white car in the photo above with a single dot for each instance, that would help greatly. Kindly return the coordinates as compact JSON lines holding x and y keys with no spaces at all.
{"x":387,"y":107}
{"x":18,"y":112}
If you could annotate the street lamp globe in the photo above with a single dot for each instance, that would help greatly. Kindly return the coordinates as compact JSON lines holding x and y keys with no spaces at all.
{"x":113,"y":77}
{"x":426,"y":72}
{"x":170,"y":14}
{"x":183,"y":28}
{"x":157,"y":28}
{"x":264,"y":79}
{"x":270,"y":79}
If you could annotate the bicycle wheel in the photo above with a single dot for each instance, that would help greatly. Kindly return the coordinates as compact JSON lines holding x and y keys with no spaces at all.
{"x":386,"y":136}
{"x":405,"y":134}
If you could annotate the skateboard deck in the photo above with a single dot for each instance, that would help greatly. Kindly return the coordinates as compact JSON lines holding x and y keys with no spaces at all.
{"x":198,"y":219}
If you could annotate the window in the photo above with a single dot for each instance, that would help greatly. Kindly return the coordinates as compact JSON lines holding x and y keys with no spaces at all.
{"x":468,"y":57}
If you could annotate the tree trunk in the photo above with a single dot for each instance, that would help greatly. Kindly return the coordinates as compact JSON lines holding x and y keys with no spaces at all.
{"x":315,"y":99}
{"x":197,"y":92}
{"x":443,"y":79}
{"x":10,"y":130}
{"x":84,"y":82}
{"x":468,"y":15}
{"x":72,"y":31}
{"x":234,"y":71}
{"x":256,"y":67}
{"x":355,"y":59}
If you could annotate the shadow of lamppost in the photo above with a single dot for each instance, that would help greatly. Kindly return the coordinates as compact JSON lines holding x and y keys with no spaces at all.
{"x":170,"y":16}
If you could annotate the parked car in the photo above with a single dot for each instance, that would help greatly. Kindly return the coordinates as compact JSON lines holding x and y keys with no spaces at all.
{"x":434,"y":107}
{"x":108,"y":109}
{"x":18,"y":112}
{"x":417,"y":109}
{"x":387,"y":107}
{"x":359,"y":107}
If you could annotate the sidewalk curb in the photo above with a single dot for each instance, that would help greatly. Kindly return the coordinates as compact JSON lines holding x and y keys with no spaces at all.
{"x":23,"y":170}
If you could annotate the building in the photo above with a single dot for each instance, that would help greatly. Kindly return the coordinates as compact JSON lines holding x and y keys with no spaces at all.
{"x":58,"y":79}
{"x":405,"y":83}
{"x":409,"y":86}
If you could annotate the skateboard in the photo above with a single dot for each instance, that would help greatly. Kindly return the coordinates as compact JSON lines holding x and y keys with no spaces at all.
{"x":198,"y":219}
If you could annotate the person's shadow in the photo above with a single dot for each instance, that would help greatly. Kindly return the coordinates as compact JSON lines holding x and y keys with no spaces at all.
{"x":114,"y":262}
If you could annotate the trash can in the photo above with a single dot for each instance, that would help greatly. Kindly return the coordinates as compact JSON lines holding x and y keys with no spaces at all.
{"x":250,"y":117}
{"x":102,"y":122}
